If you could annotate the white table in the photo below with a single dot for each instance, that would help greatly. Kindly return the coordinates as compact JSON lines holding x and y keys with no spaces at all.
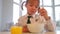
{"x":28,"y":33}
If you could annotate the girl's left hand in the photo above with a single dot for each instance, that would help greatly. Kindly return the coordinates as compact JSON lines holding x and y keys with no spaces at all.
{"x":43,"y":12}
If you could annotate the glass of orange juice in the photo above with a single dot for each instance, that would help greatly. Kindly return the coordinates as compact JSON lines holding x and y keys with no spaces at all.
{"x":16,"y":30}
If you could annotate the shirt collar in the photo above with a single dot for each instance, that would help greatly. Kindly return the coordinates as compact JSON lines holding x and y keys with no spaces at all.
{"x":32,"y":15}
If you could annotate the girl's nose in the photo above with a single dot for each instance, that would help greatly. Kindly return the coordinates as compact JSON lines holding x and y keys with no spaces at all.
{"x":33,"y":8}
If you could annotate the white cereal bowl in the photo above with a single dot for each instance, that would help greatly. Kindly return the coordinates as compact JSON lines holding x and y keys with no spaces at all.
{"x":37,"y":27}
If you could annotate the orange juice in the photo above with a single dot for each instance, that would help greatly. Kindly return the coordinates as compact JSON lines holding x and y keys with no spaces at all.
{"x":16,"y":30}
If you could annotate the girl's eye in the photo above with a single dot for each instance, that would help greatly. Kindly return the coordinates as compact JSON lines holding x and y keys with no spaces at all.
{"x":31,"y":5}
{"x":36,"y":7}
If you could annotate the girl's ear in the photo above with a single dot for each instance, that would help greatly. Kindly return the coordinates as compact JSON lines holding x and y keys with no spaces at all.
{"x":25,"y":5}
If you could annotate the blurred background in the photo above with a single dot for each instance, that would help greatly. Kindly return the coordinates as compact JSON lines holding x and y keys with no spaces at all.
{"x":10,"y":11}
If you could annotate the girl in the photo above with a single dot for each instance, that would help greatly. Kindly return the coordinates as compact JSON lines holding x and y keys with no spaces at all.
{"x":32,"y":6}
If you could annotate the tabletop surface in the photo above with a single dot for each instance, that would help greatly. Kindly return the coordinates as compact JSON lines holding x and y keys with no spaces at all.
{"x":29,"y":33}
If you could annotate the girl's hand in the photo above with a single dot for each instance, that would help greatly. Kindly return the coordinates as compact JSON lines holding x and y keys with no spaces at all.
{"x":43,"y":12}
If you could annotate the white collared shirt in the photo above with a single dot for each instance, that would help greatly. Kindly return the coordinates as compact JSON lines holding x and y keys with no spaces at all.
{"x":22,"y":21}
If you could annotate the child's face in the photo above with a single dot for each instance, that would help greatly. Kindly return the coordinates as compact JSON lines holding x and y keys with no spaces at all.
{"x":32,"y":7}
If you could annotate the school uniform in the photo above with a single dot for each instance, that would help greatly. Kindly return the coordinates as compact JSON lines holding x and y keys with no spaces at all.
{"x":23,"y":20}
{"x":49,"y":24}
